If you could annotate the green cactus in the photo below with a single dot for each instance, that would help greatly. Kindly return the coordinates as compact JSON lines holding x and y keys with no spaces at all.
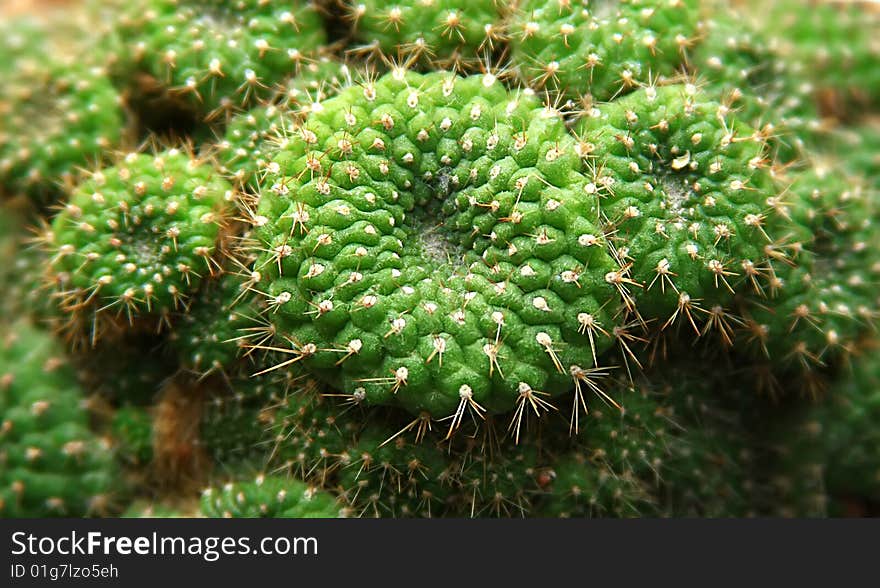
{"x":820,"y":305}
{"x":443,"y":33}
{"x":136,"y":238}
{"x":24,"y":292}
{"x":685,"y":187}
{"x":671,"y":451}
{"x":234,"y":423}
{"x":370,"y":299}
{"x":827,"y":454}
{"x":250,"y":135}
{"x":269,"y":496}
{"x":745,"y":69}
{"x":630,"y":269}
{"x":596,"y":51}
{"x":132,"y":430}
{"x":835,"y":44}
{"x":217,"y":57}
{"x":59,"y":113}
{"x":50,"y":463}
{"x":216,"y":327}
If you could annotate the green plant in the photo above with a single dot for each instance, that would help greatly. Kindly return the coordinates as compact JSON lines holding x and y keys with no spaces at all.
{"x":51,"y":464}
{"x":436,"y":258}
{"x":136,"y":238}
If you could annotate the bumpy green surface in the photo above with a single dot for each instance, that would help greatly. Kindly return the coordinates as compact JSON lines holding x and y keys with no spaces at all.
{"x":269,"y":496}
{"x":58,"y":112}
{"x":217,"y":325}
{"x":822,"y":300}
{"x":439,"y":249}
{"x":675,"y":449}
{"x":601,"y":49}
{"x":741,"y":66}
{"x":50,"y":463}
{"x":511,"y":288}
{"x":686,"y":193}
{"x":218,"y":56}
{"x":442,"y":32}
{"x":250,"y":136}
{"x":137,"y":237}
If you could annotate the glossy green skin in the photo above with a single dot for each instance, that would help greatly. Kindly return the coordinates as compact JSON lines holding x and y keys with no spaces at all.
{"x":355,"y":259}
{"x":442,"y":32}
{"x":684,"y":188}
{"x":50,"y":463}
{"x":601,"y":53}
{"x":218,"y":56}
{"x":269,"y":497}
{"x":59,"y":113}
{"x":136,"y":238}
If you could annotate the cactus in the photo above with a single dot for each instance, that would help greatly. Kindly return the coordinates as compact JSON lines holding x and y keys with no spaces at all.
{"x":404,"y":326}
{"x":836,"y":46}
{"x":673,"y":455}
{"x":208,"y":337}
{"x":50,"y":463}
{"x":596,"y":51}
{"x":684,"y":187}
{"x":136,"y":238}
{"x":132,"y":429}
{"x":746,"y":70}
{"x":442,"y":33}
{"x":370,"y":299}
{"x":244,"y":150}
{"x":216,"y":57}
{"x":58,"y":113}
{"x":268,"y":496}
{"x":234,"y":423}
{"x":828,"y":454}
{"x":439,"y":259}
{"x":819,"y":306}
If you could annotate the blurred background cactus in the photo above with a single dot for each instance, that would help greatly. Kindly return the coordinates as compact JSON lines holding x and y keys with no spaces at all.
{"x":427,"y":258}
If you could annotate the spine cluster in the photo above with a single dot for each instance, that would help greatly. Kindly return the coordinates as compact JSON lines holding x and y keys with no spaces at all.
{"x":439,"y":258}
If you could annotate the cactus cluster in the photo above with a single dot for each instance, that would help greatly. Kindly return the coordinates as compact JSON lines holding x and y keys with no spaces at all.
{"x":61,"y":114}
{"x":600,"y":50}
{"x":50,"y":462}
{"x":432,"y":258}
